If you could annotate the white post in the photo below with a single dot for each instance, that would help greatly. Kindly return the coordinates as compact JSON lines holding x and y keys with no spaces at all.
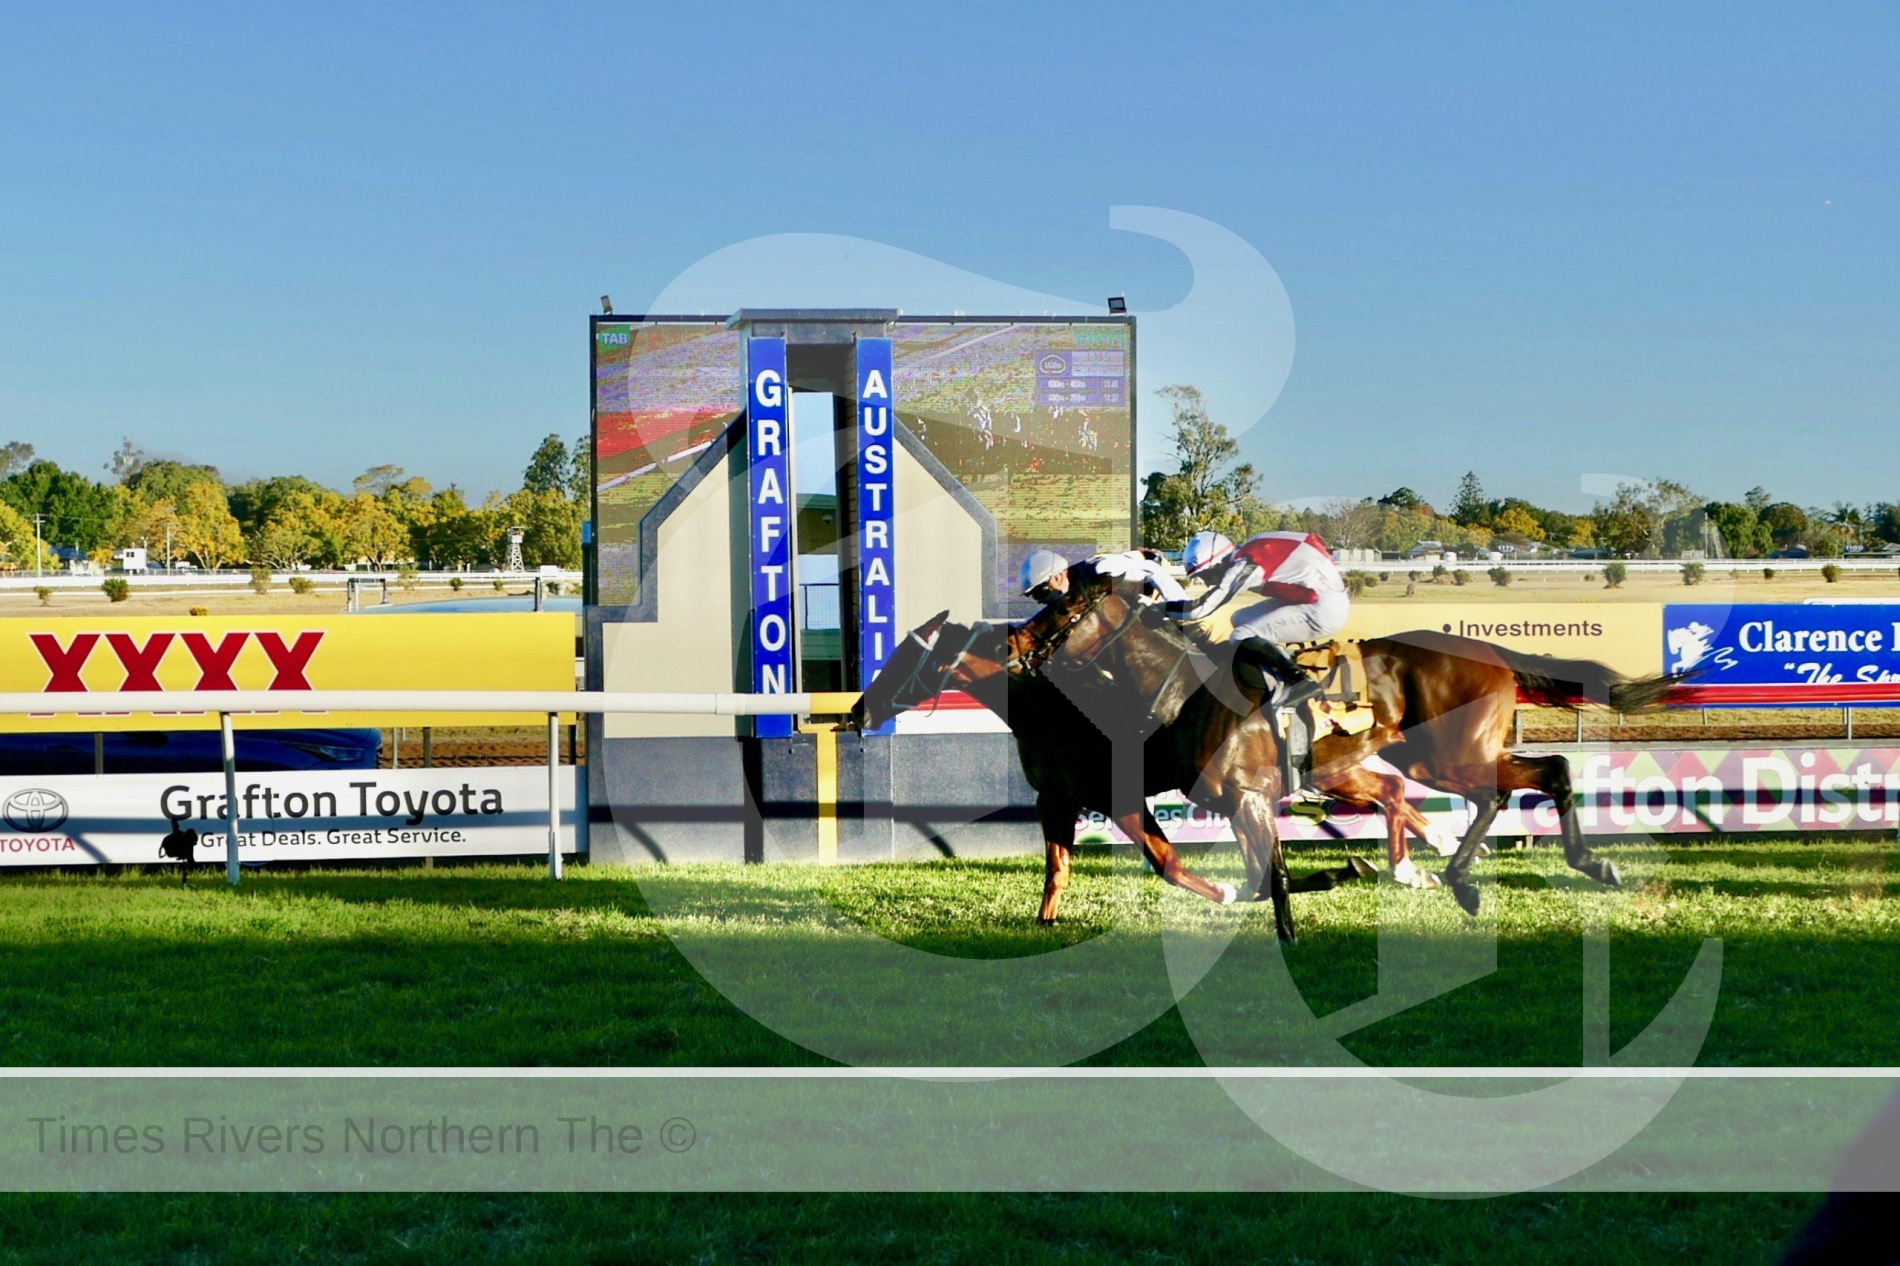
{"x":554,"y":795}
{"x":230,"y":798}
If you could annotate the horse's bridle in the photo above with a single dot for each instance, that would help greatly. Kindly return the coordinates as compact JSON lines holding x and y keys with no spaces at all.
{"x":1036,"y":659}
{"x":1039,"y":652}
{"x":903,"y":697}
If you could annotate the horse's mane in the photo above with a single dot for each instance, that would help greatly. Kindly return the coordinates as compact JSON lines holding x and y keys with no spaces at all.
{"x":1174,"y":647}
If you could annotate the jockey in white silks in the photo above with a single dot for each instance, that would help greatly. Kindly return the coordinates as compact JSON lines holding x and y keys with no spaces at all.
{"x":1301,"y":598}
{"x":1045,"y":573}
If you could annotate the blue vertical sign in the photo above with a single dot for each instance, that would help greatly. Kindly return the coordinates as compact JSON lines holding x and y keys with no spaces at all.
{"x":769,"y":522}
{"x":877,"y":590}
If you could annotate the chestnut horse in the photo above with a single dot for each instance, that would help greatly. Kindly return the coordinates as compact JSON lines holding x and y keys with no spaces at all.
{"x":1224,"y":760}
{"x":1442,"y":710}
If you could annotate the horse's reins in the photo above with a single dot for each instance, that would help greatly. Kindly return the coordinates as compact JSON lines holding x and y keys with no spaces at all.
{"x":1033,"y":659}
{"x":934,"y":691}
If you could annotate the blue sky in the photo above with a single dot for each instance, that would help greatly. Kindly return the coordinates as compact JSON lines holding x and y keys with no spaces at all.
{"x":1541,"y":245}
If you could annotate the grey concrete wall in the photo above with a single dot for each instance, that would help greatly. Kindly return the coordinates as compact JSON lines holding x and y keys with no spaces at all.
{"x":900,"y":797}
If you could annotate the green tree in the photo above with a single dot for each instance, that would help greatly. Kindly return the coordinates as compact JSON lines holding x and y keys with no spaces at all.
{"x":126,"y":461}
{"x":372,"y":531}
{"x":1786,"y":523}
{"x":1400,"y":529}
{"x":1469,"y":508}
{"x":1519,"y":526}
{"x":549,"y":470}
{"x":206,"y":528}
{"x":580,"y":470}
{"x":1740,"y":528}
{"x":255,"y":501}
{"x":158,"y":480}
{"x":78,"y":511}
{"x":378,"y":480}
{"x":279,"y":545}
{"x":553,"y":527}
{"x":1626,"y":525}
{"x":14,"y":456}
{"x":1207,"y":489}
{"x":316,"y":515}
{"x":1885,"y":516}
{"x":16,"y":541}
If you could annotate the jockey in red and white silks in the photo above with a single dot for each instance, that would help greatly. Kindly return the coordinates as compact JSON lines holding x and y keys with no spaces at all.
{"x":1302,"y":597}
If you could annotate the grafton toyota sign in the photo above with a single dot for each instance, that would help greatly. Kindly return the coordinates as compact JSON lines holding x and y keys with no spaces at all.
{"x":285,"y":655}
{"x":304,"y":815}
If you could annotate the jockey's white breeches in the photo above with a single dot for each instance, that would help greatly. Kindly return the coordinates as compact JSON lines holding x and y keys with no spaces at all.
{"x":1283,"y":622}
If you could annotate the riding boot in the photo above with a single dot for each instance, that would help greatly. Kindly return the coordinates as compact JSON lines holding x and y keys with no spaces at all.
{"x":1258,"y":661}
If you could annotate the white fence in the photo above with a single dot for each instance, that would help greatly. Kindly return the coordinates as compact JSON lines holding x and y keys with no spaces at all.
{"x":182,"y":581}
{"x":1886,"y":564}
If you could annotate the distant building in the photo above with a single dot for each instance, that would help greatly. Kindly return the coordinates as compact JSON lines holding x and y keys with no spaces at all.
{"x":131,"y":559}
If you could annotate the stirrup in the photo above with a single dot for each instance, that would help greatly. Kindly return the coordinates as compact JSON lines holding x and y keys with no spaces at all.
{"x":1297,"y":692}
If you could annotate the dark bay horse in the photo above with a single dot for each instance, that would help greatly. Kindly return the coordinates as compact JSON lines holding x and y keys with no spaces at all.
{"x":1442,"y":712}
{"x":1223,"y":760}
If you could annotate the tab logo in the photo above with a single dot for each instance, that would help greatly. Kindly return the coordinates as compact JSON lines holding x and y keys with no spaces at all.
{"x":214,"y":660}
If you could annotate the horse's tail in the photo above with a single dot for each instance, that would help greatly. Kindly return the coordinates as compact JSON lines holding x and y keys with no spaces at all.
{"x":1585,"y":683}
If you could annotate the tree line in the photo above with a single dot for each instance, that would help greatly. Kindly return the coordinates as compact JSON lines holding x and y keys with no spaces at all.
{"x":1655,"y":518}
{"x":179,"y":511}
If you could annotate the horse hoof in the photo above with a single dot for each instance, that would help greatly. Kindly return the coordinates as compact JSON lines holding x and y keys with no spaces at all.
{"x":1362,"y":869}
{"x":1606,"y":875}
{"x":1467,"y":895}
{"x":1428,"y":881}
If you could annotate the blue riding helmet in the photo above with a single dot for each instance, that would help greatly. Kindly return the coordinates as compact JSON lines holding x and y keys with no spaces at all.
{"x":1204,"y":549}
{"x":1040,"y":567}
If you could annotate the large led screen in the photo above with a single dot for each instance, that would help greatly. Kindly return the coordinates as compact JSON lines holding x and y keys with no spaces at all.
{"x":1035,"y":420}
{"x":663,"y":392}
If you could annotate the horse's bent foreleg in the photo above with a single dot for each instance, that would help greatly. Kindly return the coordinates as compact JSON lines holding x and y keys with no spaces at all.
{"x":1145,"y":831}
{"x":1255,"y":819}
{"x":1058,"y":842}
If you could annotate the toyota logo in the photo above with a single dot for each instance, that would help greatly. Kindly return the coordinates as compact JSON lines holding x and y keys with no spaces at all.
{"x":34,"y":809}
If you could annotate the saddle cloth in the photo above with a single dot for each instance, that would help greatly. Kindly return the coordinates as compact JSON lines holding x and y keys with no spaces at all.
{"x":1340,"y":666}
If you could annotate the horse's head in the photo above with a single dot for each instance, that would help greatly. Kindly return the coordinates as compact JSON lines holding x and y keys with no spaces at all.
{"x":934,"y":655}
{"x":1065,"y":620}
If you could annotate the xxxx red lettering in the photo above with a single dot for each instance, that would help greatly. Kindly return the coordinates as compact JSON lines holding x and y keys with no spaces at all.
{"x":141,"y":662}
{"x":290,"y":661}
{"x":65,"y":662}
{"x":214,"y":662}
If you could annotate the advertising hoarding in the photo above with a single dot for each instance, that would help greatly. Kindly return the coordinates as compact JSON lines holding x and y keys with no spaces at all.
{"x":282,"y":654}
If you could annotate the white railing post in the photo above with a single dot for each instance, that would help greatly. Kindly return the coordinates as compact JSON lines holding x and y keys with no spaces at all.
{"x":229,"y":743}
{"x":554,"y":795}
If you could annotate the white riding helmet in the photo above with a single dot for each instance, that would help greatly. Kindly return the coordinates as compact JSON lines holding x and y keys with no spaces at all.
{"x":1040,"y":567}
{"x":1204,"y":549}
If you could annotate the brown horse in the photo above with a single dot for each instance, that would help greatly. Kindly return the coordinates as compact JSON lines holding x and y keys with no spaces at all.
{"x":1442,"y":712}
{"x":1224,"y":760}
